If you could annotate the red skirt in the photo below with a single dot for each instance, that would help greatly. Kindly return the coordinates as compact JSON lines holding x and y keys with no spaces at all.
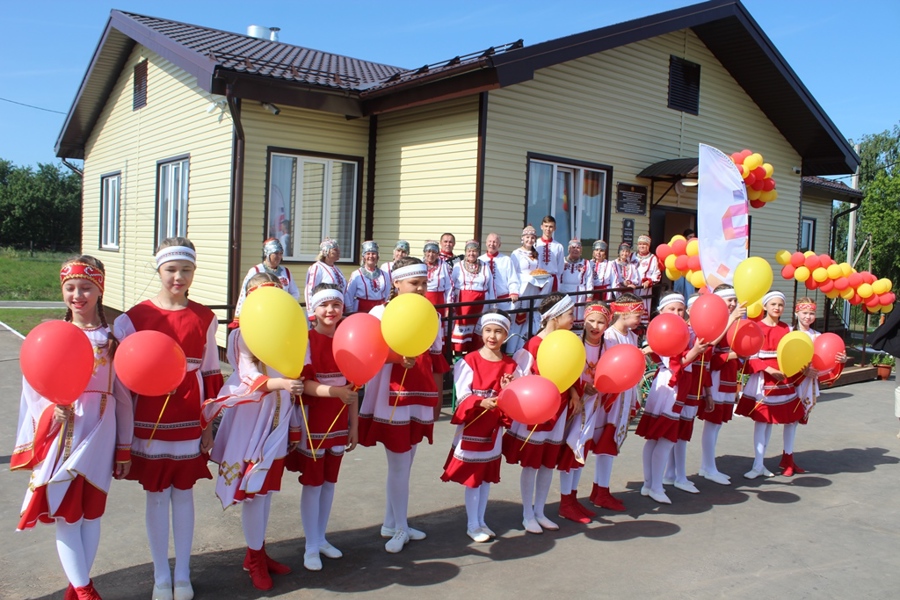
{"x":658,"y":427}
{"x":607,"y":442}
{"x":272,"y":482}
{"x":685,"y":429}
{"x":396,"y":438}
{"x":567,"y":462}
{"x":529,"y":454}
{"x":721,"y":413}
{"x":471,"y":474}
{"x":316,"y":472}
{"x":82,"y":501}
{"x":159,"y":474}
{"x":776,"y":414}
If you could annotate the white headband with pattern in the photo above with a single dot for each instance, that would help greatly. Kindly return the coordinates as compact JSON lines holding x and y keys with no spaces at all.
{"x":691,"y":301}
{"x":726,"y":293}
{"x":494,"y":319}
{"x":323,"y":296}
{"x":670,"y":299}
{"x":171,"y":253}
{"x":559,"y":309}
{"x":771,"y":296}
{"x":409,"y":271}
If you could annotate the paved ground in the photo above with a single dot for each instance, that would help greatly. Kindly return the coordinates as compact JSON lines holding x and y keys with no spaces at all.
{"x":832,"y":533}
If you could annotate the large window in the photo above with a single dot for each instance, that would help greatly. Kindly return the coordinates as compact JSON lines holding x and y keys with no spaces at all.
{"x":575,"y":195}
{"x":109,"y":211}
{"x":310,"y":198}
{"x":807,"y":234}
{"x":172,"y":198}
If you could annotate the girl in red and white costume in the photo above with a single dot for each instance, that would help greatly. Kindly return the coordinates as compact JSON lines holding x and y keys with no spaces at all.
{"x":537,"y":447}
{"x":325,"y":269}
{"x":661,"y":421}
{"x":601,"y":270}
{"x":170,"y":448}
{"x":575,"y":279}
{"x":401,"y":250}
{"x":769,"y":397}
{"x":71,"y":475}
{"x":401,"y":416}
{"x":808,"y":386}
{"x":526,"y":258}
{"x":330,"y":426}
{"x":648,"y":274}
{"x":474,"y":459}
{"x":368,"y":285}
{"x":472,"y":281}
{"x":252,"y":442}
{"x":625,"y":273}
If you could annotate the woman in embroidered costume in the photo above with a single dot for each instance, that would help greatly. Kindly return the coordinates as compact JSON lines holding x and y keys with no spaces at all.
{"x":401,"y":250}
{"x":273,"y":253}
{"x":439,"y":288}
{"x":170,"y":448}
{"x":808,"y":386}
{"x":625,"y":274}
{"x":325,"y":269}
{"x":601,"y":270}
{"x":536,"y":448}
{"x":330,"y":426}
{"x":648,"y":274}
{"x":252,"y":442}
{"x":769,"y":397}
{"x":368,"y":285}
{"x":533,"y":283}
{"x":472,"y":281}
{"x":474,"y":459}
{"x":399,"y":410}
{"x":575,"y":279}
{"x":73,"y":451}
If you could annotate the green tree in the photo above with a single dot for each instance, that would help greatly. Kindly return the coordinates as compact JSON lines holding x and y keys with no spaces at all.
{"x":42,"y":207}
{"x":880,"y":212}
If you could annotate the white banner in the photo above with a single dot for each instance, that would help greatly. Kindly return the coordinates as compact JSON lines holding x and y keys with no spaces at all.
{"x":723,"y":227}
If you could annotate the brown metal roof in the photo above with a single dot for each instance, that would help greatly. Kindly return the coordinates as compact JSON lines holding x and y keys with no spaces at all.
{"x":838,"y":188}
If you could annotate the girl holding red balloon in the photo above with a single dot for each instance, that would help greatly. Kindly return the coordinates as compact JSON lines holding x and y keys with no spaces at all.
{"x":73,"y":440}
{"x":474,"y":459}
{"x":252,"y":441}
{"x":170,"y":448}
{"x":536,"y":447}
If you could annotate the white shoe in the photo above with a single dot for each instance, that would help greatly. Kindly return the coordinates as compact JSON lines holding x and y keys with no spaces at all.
{"x":645,"y":490}
{"x":546,"y":523}
{"x":532,"y":526}
{"x":478,"y":535}
{"x":414,"y":534}
{"x":162,"y":591}
{"x":687,"y":486}
{"x":752,"y":474}
{"x":660,"y":497}
{"x":767,"y":473}
{"x":396,"y":543}
{"x":488,"y":531}
{"x":329,"y":551}
{"x":667,"y":481}
{"x":716,"y":477}
{"x":183,"y":591}
{"x":312,"y":561}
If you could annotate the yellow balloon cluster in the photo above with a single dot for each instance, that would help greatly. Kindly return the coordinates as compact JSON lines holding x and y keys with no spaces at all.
{"x":275,"y":329}
{"x":681,"y":258}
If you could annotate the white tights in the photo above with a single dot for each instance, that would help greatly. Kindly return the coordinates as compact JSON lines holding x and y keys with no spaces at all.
{"x":254,"y":520}
{"x":157,"y":518}
{"x":761,"y":434}
{"x":708,"y":447}
{"x":397,"y":505}
{"x":568,"y":481}
{"x":656,"y":457}
{"x":476,"y":504}
{"x":315,"y":509}
{"x":603,"y":469}
{"x":534,"y":485}
{"x":790,"y":432}
{"x":76,"y":544}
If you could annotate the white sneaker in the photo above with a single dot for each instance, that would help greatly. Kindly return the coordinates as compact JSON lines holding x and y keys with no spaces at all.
{"x":183,"y":591}
{"x":396,"y":543}
{"x":546,"y":523}
{"x":660,"y":497}
{"x":752,"y":474}
{"x":162,"y":591}
{"x":767,"y":473}
{"x":716,"y":477}
{"x":312,"y":562}
{"x":532,"y":526}
{"x":478,"y":535}
{"x":414,"y":534}
{"x":645,"y":490}
{"x":687,"y":486}
{"x":488,"y":531}
{"x":329,"y":551}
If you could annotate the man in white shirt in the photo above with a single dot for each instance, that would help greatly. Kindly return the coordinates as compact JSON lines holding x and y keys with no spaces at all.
{"x":551,"y":253}
{"x":504,"y":271}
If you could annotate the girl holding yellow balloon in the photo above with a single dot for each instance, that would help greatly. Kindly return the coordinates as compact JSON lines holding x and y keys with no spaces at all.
{"x":401,"y":401}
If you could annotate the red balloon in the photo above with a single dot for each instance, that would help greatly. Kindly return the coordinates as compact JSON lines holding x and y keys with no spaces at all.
{"x":757,"y":185}
{"x":57,"y":360}
{"x":694,"y":262}
{"x":678,"y":246}
{"x":825,"y":348}
{"x":826,"y":286}
{"x":872,"y":301}
{"x":744,"y":337}
{"x":738,"y":158}
{"x":855,"y":280}
{"x":150,"y":363}
{"x":869,"y":277}
{"x":757,"y":203}
{"x":825,"y":260}
{"x":681,"y":263}
{"x":745,"y":152}
{"x":812,"y":262}
{"x":359,"y":348}
{"x":750,"y":179}
{"x":797,"y":259}
{"x":668,"y":334}
{"x":811,"y":284}
{"x":889,"y":298}
{"x":709,"y":317}
{"x":760,"y":173}
{"x":768,"y":184}
{"x":856,"y":299}
{"x":841,"y":284}
{"x":788,"y":271}
{"x":662,"y":251}
{"x":620,"y":368}
{"x":530,"y":400}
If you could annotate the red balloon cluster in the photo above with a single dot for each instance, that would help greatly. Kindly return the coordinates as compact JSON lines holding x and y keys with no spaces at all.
{"x":821,"y":272}
{"x":681,"y":258}
{"x":757,"y":176}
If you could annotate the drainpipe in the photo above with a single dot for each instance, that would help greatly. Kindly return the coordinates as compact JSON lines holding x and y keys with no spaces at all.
{"x":73,"y":168}
{"x":834,"y":221}
{"x":237,"y":200}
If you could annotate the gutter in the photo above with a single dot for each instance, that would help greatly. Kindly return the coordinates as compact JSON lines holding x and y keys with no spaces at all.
{"x":237,"y":200}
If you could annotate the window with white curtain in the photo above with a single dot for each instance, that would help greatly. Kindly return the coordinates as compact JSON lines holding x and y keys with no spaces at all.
{"x":572,"y":193}
{"x":172,"y":199}
{"x":109,"y":211}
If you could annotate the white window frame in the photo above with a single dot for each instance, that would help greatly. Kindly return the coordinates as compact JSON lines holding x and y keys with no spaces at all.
{"x":110,"y":194}
{"x":808,"y":223}
{"x":348,"y":247}
{"x":577,"y":171}
{"x":172,"y":182}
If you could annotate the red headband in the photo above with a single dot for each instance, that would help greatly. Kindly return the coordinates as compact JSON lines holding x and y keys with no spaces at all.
{"x":598,"y":308}
{"x":627,"y":307}
{"x":80,"y":270}
{"x":810,"y":306}
{"x":264,"y":284}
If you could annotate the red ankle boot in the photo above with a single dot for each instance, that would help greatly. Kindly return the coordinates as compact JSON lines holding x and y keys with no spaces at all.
{"x":594,"y":497}
{"x":584,"y":509}
{"x":274,"y":566}
{"x":608,"y":501}
{"x":70,"y":593}
{"x":259,"y":572}
{"x":568,"y":510}
{"x":789,"y":467}
{"x":87,"y":592}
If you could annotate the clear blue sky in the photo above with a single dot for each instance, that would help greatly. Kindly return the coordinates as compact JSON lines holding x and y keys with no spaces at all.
{"x":842,"y":51}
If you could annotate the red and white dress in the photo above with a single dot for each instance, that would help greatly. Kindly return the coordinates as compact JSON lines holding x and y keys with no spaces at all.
{"x":440,"y":286}
{"x":551,"y":256}
{"x":580,"y":428}
{"x":624,"y":275}
{"x":662,"y":410}
{"x":469,"y":287}
{"x":504,"y":275}
{"x":252,"y":440}
{"x":320,"y":272}
{"x":366,"y":290}
{"x":72,"y":464}
{"x":603,"y":278}
{"x":724,"y":374}
{"x":699,"y":382}
{"x":614,"y":411}
{"x":575,"y":279}
{"x":766,"y":400}
{"x":172,"y":457}
{"x":538,"y":445}
{"x":647,"y":271}
{"x":285,"y":278}
{"x":529,"y":286}
{"x":324,"y":422}
{"x":808,"y":386}
{"x":401,"y":416}
{"x":477,"y":445}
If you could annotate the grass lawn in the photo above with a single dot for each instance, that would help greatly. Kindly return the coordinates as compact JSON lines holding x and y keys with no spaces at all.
{"x":23,"y":277}
{"x":24,"y":320}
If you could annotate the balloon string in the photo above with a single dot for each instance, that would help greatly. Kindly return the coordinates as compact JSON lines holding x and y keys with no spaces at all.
{"x":700,"y":387}
{"x":306,"y":423}
{"x":159,"y":418}
{"x":330,"y":427}
{"x":466,"y":426}
{"x":533,"y":429}
{"x":400,"y":391}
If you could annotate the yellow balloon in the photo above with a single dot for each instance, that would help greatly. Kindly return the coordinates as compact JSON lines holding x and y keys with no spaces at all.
{"x":753,"y":161}
{"x":809,"y":253}
{"x":753,"y":194}
{"x":677,"y":237}
{"x":561,"y":357}
{"x":802,"y":274}
{"x":846,"y":269}
{"x":795,"y":351}
{"x":768,"y":196}
{"x":410,"y":324}
{"x":832,"y":294}
{"x":754,"y":310}
{"x":670,"y":261}
{"x":692,"y":248}
{"x":848,"y":293}
{"x":834,"y":271}
{"x":819,"y":275}
{"x":882,"y":286}
{"x":752,"y":279}
{"x":698,"y":280}
{"x":887,"y":308}
{"x":890,"y":284}
{"x":865,"y":290}
{"x":783,"y":257}
{"x":275,"y":329}
{"x":769,"y":169}
{"x":673,"y":274}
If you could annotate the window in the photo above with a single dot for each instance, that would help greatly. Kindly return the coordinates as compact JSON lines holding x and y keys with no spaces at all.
{"x":140,"y":86}
{"x":310,"y":198}
{"x":109,"y":211}
{"x":684,"y":85}
{"x":575,"y":195}
{"x":807,"y":234}
{"x":172,"y":198}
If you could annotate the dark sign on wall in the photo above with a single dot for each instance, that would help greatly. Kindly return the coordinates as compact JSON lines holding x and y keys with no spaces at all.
{"x":628,"y":231}
{"x":631,"y":199}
